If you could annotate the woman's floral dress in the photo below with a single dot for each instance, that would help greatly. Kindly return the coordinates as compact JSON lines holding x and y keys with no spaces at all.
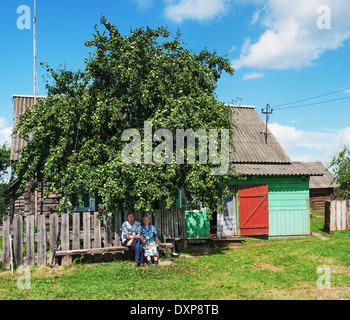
{"x":149,"y":236}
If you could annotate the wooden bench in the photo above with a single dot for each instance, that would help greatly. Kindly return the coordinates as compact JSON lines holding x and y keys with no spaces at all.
{"x":66,"y":256}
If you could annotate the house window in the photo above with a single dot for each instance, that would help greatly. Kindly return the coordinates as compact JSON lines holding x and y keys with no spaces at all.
{"x":186,"y":203}
{"x":86,"y":203}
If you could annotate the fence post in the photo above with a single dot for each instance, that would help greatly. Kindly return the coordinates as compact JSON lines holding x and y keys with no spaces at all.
{"x":183,"y":230}
{"x":327,"y":216}
{"x":6,"y":241}
{"x":97,"y":230}
{"x":337,"y":215}
{"x":76,"y":231}
{"x":41,"y":240}
{"x":157,"y":223}
{"x":30,"y":257}
{"x":87,"y":230}
{"x":117,"y":228}
{"x":53,"y":231}
{"x":347,"y":210}
{"x":18,"y":240}
{"x":108,"y":230}
{"x":65,"y":231}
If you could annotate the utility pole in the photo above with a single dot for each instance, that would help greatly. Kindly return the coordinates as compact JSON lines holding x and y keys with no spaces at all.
{"x":34,"y":67}
{"x":268,"y":112}
{"x":34,"y":49}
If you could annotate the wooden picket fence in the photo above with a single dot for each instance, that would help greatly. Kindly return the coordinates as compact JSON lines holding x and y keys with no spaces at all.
{"x":26,"y":243}
{"x":337,"y":215}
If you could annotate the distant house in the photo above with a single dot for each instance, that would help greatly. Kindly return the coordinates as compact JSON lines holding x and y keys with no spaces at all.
{"x":270,"y":196}
{"x":322,"y":188}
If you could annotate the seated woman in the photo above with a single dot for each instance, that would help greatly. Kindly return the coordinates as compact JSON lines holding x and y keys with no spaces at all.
{"x":131,"y":237}
{"x":150,"y":238}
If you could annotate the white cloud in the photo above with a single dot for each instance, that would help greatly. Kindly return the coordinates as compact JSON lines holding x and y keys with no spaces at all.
{"x":308,"y":146}
{"x":291,"y":37}
{"x":303,"y":157}
{"x":255,"y":17}
{"x":342,"y":139}
{"x":199,"y":10}
{"x":233,"y":48}
{"x":289,"y":137}
{"x":5,"y":132}
{"x":296,"y":120}
{"x":254,"y":75}
{"x":144,"y":4}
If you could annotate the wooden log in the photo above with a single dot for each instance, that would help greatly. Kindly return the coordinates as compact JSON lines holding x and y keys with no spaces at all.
{"x":97,"y":230}
{"x":55,"y":196}
{"x":30,"y":257}
{"x":41,"y":240}
{"x":18,"y":240}
{"x":76,"y":231}
{"x":66,"y":261}
{"x":87,"y":230}
{"x":120,"y":249}
{"x":6,"y":242}
{"x":65,"y":231}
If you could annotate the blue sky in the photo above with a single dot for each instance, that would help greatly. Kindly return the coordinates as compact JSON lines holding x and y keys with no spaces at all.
{"x":283,"y":51}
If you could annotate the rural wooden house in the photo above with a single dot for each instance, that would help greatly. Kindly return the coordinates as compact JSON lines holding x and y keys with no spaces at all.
{"x":322,"y":188}
{"x":271,"y":193}
{"x":27,"y":202}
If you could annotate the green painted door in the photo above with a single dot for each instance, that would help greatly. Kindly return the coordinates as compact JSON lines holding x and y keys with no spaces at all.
{"x":197,"y":224}
{"x":289,"y":209}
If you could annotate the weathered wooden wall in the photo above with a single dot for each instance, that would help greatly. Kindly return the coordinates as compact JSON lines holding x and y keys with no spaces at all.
{"x":318,"y":197}
{"x":27,"y":203}
{"x":337,"y":215}
{"x":87,"y":231}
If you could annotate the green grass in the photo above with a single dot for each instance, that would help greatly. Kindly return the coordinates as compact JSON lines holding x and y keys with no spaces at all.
{"x":274,"y":269}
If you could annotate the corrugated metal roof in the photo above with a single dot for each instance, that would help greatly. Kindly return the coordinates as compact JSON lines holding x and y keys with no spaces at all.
{"x":320,"y":182}
{"x":249,"y":139}
{"x":293,"y":169}
{"x":20,"y":103}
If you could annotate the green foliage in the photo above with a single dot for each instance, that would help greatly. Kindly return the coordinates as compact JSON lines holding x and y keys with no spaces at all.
{"x":341,"y":167}
{"x":4,"y":164}
{"x":148,"y":75}
{"x":4,"y":159}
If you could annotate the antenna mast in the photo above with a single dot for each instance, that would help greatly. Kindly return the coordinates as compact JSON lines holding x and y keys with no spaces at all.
{"x":34,"y":49}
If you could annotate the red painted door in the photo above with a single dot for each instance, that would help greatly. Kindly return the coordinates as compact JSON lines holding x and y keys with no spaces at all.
{"x":253,"y":210}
